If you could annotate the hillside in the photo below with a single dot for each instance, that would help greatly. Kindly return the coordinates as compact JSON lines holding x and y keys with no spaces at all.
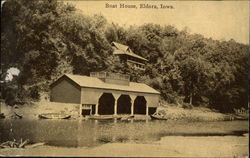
{"x":45,"y":39}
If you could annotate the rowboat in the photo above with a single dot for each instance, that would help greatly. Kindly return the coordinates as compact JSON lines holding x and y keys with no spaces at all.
{"x":104,"y":117}
{"x":157,"y":117}
{"x":240,"y":117}
{"x":54,"y":116}
{"x":128,"y":118}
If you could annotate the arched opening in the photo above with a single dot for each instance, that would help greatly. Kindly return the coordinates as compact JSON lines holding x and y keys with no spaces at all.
{"x":124,"y":105}
{"x":140,"y":105}
{"x":106,"y":104}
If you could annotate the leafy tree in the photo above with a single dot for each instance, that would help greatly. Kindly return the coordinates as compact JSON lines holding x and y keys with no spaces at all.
{"x":45,"y":39}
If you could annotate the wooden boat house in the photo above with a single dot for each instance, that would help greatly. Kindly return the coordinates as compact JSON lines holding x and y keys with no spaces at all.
{"x":104,"y":93}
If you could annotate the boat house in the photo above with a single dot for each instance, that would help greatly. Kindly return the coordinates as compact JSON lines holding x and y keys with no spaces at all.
{"x":127,"y":55}
{"x":104,"y":93}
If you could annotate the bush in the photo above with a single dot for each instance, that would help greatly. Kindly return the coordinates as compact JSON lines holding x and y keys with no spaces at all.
{"x":34,"y":93}
{"x":10,"y":96}
{"x":13,"y":94}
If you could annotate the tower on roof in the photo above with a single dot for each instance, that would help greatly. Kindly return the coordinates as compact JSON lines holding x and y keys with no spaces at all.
{"x":127,"y":55}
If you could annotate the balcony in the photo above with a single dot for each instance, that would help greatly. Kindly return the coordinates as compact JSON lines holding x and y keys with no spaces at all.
{"x":136,"y":65}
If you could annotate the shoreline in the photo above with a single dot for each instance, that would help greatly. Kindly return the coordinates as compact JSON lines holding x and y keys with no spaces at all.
{"x":170,"y":146}
{"x":33,"y":110}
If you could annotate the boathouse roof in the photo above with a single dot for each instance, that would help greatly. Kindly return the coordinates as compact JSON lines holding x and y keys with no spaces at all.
{"x":123,"y":49}
{"x":94,"y":82}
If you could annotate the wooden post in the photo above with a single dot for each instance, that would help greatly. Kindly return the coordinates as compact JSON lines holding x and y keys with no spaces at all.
{"x":96,"y":108}
{"x":80,"y":109}
{"x":132,"y":103}
{"x":132,"y":107}
{"x":116,"y":96}
{"x":115,"y":108}
{"x":97,"y":103}
{"x":146,"y":109}
{"x":147,"y":99}
{"x":90,"y":109}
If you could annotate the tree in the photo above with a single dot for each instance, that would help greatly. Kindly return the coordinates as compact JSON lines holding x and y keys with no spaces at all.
{"x":45,"y":39}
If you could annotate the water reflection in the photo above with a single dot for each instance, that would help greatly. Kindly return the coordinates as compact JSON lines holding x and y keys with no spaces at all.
{"x":89,"y":133}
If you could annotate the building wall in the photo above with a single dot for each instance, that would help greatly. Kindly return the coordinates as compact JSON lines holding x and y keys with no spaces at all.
{"x":152,"y":100}
{"x":65,"y":91}
{"x":90,"y":95}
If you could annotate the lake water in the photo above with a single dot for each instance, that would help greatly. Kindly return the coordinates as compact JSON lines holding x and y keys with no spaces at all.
{"x":89,"y":133}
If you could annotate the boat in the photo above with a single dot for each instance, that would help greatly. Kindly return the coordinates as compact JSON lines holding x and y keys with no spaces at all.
{"x":240,"y":117}
{"x":105,"y":117}
{"x":157,"y":117}
{"x":127,"y":118}
{"x":54,"y":116}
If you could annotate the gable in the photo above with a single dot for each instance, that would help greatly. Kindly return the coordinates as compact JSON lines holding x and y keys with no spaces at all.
{"x":62,"y":78}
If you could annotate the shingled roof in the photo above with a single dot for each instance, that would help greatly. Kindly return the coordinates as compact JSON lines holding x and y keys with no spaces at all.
{"x":93,"y":82}
{"x":123,"y":49}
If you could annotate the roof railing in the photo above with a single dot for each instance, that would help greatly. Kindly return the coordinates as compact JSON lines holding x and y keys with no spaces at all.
{"x":109,"y":75}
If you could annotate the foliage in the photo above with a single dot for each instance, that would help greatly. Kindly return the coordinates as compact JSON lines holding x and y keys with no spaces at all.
{"x":46,"y":39}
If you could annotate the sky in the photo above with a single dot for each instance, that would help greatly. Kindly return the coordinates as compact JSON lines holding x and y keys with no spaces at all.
{"x":221,"y":20}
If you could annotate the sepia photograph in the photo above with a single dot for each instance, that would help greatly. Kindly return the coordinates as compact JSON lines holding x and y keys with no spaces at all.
{"x":124,"y":78}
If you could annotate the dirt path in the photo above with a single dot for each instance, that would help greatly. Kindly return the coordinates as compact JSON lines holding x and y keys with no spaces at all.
{"x":171,"y":146}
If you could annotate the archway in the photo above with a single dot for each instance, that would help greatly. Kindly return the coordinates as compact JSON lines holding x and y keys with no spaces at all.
{"x":106,"y":104}
{"x":140,"y":105}
{"x":124,"y":105}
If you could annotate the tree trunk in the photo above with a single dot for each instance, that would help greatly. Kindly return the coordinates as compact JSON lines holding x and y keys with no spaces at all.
{"x":191,"y":99}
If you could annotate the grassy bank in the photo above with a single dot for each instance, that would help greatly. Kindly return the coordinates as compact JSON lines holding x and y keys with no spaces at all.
{"x":197,"y":114}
